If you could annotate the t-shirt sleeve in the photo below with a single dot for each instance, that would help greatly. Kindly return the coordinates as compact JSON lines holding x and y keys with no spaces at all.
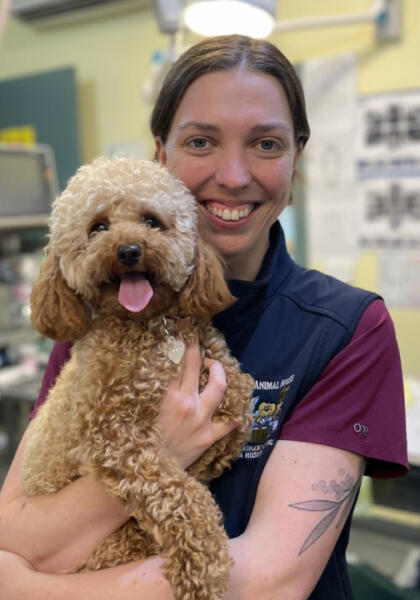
{"x":60,"y":354}
{"x":358,"y":402}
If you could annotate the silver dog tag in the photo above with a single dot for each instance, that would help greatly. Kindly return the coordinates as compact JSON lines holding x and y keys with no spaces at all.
{"x":176,"y":351}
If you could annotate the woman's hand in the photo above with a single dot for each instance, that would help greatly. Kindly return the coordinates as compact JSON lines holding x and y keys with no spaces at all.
{"x":186,"y":419}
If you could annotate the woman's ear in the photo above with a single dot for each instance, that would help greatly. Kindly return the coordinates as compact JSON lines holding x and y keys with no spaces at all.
{"x":160,"y":150}
{"x":56,"y":311}
{"x":206,"y":292}
{"x":297,"y":155}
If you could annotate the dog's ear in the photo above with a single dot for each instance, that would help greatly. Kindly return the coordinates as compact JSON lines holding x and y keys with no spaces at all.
{"x":206,"y":292}
{"x":56,"y":311}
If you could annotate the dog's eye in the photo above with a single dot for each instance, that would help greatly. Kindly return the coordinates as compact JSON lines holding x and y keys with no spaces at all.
{"x":97,"y":227}
{"x":151,"y":221}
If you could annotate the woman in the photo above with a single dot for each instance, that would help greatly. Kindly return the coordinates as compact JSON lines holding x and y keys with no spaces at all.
{"x":230,"y":122}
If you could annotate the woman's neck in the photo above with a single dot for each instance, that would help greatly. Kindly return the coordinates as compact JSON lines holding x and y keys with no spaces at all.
{"x":246,"y":266}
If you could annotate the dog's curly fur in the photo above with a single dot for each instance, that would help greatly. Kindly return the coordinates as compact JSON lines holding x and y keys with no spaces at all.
{"x":101,"y":416}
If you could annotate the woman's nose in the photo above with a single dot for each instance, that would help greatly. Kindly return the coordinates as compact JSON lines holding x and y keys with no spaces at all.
{"x":232,"y":171}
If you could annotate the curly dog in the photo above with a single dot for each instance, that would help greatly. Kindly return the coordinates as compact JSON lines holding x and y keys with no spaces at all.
{"x":128,"y":280}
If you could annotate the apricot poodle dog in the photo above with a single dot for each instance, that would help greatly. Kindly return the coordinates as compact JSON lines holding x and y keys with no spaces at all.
{"x":128,"y":280}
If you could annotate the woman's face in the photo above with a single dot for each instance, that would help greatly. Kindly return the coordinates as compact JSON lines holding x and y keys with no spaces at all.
{"x":232,"y":143}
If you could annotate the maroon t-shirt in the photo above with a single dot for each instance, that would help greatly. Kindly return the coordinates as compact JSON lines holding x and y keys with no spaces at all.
{"x":60,"y":354}
{"x":359,"y":386}
{"x":356,"y":405}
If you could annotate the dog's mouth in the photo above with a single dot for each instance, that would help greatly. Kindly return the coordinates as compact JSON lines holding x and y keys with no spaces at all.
{"x":135,"y":291}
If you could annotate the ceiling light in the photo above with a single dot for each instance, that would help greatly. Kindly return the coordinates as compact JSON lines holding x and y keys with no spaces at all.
{"x":223,"y":17}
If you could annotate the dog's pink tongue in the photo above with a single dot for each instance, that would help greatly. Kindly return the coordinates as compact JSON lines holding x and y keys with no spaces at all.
{"x":135,"y":291}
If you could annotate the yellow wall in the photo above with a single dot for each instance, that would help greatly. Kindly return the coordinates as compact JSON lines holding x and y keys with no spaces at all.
{"x":111,"y":54}
{"x":383,"y":66}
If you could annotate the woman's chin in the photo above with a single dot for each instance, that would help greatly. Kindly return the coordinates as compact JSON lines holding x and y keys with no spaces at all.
{"x":230,"y":249}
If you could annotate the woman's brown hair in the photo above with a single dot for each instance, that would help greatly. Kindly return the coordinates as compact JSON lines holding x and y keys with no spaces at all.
{"x":225,"y":53}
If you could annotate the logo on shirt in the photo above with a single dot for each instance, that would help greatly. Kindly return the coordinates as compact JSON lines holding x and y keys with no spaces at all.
{"x":363,"y":429}
{"x":266,"y":409}
{"x":273,"y":385}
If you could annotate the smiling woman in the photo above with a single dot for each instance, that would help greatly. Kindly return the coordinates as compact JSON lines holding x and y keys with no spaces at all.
{"x":230,"y":123}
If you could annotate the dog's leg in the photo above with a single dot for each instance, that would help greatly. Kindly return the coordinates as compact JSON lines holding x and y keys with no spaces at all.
{"x":186,"y":523}
{"x":180,"y":514}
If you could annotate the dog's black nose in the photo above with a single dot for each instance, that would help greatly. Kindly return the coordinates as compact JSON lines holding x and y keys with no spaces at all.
{"x":129,"y":254}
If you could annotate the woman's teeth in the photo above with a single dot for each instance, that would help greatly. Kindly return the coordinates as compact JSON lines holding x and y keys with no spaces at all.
{"x":229,"y":215}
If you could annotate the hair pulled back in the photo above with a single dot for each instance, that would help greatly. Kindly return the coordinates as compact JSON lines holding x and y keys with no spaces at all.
{"x":225,"y":53}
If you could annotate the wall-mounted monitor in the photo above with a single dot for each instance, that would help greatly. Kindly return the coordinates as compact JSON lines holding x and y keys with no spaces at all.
{"x":28,"y":185}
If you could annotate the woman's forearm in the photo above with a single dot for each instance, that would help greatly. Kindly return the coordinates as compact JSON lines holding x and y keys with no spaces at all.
{"x":57,"y":532}
{"x":134,"y":581}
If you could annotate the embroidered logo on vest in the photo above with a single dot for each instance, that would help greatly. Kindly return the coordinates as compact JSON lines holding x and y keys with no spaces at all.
{"x":266,"y":408}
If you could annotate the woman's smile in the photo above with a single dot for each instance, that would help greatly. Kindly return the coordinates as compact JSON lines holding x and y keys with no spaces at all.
{"x":225,"y":213}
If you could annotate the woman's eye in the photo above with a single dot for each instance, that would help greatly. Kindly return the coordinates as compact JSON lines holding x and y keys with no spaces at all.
{"x":198,"y":143}
{"x":98,"y":227}
{"x":268,"y":145}
{"x":153,"y":222}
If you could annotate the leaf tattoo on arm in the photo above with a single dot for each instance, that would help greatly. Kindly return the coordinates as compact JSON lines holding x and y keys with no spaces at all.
{"x":345,"y":494}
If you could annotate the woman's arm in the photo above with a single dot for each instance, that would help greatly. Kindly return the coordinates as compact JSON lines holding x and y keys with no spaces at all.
{"x":282,"y":553}
{"x":58,"y":532}
{"x":304,"y":497}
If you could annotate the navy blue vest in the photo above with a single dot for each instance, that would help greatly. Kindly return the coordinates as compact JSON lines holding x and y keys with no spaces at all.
{"x":284,"y":329}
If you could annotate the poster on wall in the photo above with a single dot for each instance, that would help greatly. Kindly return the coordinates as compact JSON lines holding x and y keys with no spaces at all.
{"x":388,"y":172}
{"x":330,"y":182}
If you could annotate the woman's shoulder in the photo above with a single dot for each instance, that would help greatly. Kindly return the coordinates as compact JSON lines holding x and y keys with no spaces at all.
{"x":357,"y":403}
{"x":318,"y":292}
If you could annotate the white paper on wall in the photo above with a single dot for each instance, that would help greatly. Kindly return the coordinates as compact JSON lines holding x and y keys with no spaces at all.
{"x":390,"y":213}
{"x":399,"y":276}
{"x":388,"y":169}
{"x":330,"y":190}
{"x":388,"y":140}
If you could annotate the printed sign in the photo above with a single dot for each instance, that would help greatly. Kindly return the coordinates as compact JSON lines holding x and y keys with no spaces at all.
{"x":388,"y":170}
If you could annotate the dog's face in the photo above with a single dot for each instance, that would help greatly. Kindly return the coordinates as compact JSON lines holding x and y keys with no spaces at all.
{"x":123,"y":240}
{"x":125,"y":234}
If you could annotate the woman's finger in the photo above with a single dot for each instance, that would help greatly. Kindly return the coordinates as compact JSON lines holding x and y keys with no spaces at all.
{"x":222,"y":428}
{"x":190,"y":373}
{"x":214,"y":391}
